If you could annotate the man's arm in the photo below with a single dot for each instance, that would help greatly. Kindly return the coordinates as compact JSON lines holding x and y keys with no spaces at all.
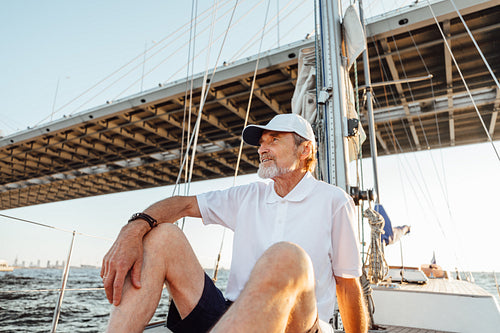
{"x":126,"y":252}
{"x":351,"y":305}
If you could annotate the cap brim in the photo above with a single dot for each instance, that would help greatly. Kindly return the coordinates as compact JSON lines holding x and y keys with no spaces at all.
{"x":252,"y":133}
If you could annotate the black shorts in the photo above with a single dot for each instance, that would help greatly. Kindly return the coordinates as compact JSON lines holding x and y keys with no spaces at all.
{"x":206,"y":313}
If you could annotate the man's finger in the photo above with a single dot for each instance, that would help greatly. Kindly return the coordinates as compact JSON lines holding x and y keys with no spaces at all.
{"x":104,"y":267}
{"x":118,"y":287}
{"x":108,"y":287}
{"x":135,"y":274}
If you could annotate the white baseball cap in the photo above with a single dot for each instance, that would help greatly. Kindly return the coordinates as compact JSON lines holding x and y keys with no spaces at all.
{"x":288,"y":122}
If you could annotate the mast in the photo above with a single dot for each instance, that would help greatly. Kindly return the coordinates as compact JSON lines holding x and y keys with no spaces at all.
{"x":332,"y":95}
{"x":369,"y":106}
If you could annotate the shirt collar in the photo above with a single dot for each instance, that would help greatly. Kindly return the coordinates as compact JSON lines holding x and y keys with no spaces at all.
{"x":298,"y":193}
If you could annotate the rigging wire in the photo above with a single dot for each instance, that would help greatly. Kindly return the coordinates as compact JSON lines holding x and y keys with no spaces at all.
{"x":117,"y":71}
{"x":204,"y":94}
{"x":359,"y":164}
{"x":52,"y":227}
{"x":251,"y":93}
{"x":199,"y":53}
{"x":171,"y":55}
{"x":412,"y":149}
{"x":424,"y":191}
{"x":245,"y":124}
{"x":475,"y":44}
{"x":423,"y":130}
{"x":47,"y":290}
{"x":252,"y":41}
{"x":410,"y":91}
{"x":444,"y":187}
{"x":178,"y":50}
{"x":202,"y":103}
{"x":189,"y":72}
{"x":463,"y":80}
{"x":420,"y":119}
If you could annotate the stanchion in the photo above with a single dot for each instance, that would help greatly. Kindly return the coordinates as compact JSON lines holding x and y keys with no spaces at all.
{"x":57,"y":310}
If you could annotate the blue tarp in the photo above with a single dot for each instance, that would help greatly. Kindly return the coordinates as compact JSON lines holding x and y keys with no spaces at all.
{"x":389,"y":235}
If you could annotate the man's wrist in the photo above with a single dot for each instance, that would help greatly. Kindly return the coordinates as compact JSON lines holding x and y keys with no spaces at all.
{"x":145,"y":217}
{"x":140,"y":224}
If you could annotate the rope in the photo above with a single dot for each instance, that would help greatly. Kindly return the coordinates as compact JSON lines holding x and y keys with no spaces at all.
{"x":377,"y":266}
{"x":367,"y":292}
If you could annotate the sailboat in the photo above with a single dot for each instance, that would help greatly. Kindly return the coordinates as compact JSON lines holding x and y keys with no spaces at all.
{"x":136,"y":134}
{"x":409,"y":299}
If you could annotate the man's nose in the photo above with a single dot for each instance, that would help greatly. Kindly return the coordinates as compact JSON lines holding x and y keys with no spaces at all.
{"x":262,"y":148}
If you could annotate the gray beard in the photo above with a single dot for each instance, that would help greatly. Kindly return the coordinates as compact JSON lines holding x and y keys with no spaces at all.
{"x":268,"y":172}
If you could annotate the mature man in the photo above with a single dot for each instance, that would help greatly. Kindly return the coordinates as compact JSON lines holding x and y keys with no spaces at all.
{"x":294,"y":249}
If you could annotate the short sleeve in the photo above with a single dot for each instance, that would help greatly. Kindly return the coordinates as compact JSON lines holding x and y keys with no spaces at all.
{"x":346,"y":261}
{"x":222,"y":207}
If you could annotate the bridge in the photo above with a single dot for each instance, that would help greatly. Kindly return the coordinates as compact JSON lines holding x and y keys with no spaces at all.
{"x":136,"y":142}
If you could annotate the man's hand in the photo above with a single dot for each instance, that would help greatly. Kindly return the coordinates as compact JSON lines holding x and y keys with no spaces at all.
{"x":125,"y":255}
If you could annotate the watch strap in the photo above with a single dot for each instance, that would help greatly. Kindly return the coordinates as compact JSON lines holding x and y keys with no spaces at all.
{"x":152,"y":221}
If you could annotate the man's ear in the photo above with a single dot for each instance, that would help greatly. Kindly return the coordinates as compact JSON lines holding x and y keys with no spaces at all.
{"x":305,"y":150}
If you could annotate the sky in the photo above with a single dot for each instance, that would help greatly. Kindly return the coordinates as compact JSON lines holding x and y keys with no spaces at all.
{"x":55,"y":50}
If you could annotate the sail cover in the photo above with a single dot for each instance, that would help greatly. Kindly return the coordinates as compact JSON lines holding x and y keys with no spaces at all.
{"x":354,"y":35}
{"x":304,"y":96}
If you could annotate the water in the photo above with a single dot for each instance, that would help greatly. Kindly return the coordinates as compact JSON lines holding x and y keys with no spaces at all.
{"x":85,"y":311}
{"x":82,"y":311}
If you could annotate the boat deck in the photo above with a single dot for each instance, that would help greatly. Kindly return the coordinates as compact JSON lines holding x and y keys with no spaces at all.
{"x":160,"y":328}
{"x":401,"y":329}
{"x":452,"y":287}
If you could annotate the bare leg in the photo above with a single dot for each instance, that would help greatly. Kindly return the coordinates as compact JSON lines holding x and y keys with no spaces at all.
{"x":168,"y":258}
{"x":279,"y":296}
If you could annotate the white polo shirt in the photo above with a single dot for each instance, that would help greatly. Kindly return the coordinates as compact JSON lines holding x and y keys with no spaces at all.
{"x":315,"y":215}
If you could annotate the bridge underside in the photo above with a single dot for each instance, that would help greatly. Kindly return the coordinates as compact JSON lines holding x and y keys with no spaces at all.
{"x":136,"y":143}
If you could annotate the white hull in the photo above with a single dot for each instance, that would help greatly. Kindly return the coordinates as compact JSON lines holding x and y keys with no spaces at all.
{"x":445,"y":305}
{"x":439,"y":305}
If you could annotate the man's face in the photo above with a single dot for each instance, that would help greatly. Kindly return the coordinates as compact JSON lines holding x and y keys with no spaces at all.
{"x":278,"y":154}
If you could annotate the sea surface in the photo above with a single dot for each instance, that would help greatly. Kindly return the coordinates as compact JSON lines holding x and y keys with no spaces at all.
{"x":25,"y":310}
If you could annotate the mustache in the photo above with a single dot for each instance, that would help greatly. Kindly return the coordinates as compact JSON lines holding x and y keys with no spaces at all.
{"x":266,"y":156}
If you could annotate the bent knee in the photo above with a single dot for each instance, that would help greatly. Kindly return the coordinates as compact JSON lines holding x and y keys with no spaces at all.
{"x":164,"y":235}
{"x":291,"y":260}
{"x":288,"y":252}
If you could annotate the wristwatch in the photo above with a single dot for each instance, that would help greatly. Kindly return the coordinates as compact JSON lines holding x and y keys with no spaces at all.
{"x":152,"y":222}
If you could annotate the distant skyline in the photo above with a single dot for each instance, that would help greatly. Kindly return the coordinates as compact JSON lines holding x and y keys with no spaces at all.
{"x":55,"y":50}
